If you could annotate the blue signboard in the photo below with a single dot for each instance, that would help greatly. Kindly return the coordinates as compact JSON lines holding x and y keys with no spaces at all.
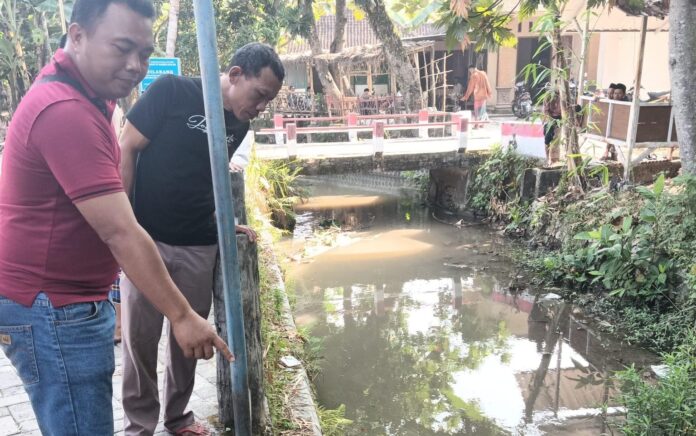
{"x":158,"y":67}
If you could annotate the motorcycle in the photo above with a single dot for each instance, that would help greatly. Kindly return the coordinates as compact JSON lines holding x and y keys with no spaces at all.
{"x":522,"y":101}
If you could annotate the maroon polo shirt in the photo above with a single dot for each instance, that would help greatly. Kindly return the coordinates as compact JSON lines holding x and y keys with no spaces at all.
{"x":60,"y":150}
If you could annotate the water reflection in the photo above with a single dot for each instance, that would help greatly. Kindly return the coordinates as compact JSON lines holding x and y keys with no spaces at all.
{"x":421,"y":337}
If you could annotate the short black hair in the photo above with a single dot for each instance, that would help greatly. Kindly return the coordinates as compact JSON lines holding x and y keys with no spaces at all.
{"x":254,"y":57}
{"x":612,"y":86}
{"x":620,"y":86}
{"x":87,"y":12}
{"x":472,"y":66}
{"x":366,"y":90}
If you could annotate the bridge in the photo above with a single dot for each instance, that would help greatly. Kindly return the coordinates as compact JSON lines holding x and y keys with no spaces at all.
{"x":439,"y":140}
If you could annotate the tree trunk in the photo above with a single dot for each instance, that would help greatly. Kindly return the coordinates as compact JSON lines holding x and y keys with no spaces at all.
{"x":340,"y":27}
{"x":406,"y":76}
{"x":172,"y":27}
{"x":331,"y":90}
{"x":682,"y":62}
{"x":339,"y":38}
{"x":568,"y":115}
{"x":22,"y":75}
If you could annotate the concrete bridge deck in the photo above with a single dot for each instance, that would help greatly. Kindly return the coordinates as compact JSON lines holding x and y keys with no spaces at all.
{"x":399,"y":154}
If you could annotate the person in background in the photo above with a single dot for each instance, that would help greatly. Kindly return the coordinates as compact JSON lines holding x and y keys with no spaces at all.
{"x":309,"y":99}
{"x":66,"y":225}
{"x":610,"y":91}
{"x":552,"y":113}
{"x":616,"y":91}
{"x":619,"y":92}
{"x":480,"y":88}
{"x":364,"y":102}
{"x":292,"y":97}
{"x":165,"y":167}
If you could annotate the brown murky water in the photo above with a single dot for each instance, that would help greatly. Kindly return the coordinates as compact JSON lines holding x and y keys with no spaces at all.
{"x":420,"y":335}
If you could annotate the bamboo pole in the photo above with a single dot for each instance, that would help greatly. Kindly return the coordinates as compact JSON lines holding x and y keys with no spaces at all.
{"x":433,"y":83}
{"x":583,"y":58}
{"x":426,"y":75}
{"x":417,"y":59}
{"x":444,"y":83}
{"x":61,"y":12}
{"x":369,"y":78}
{"x":635,"y":105}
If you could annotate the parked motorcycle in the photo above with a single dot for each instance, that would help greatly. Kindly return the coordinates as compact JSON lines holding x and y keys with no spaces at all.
{"x":522,"y":101}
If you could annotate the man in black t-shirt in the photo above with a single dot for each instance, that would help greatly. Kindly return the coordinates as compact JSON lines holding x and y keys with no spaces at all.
{"x":165,"y":167}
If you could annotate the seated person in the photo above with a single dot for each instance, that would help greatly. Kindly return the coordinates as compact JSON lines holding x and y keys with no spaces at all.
{"x":610,"y":91}
{"x":620,"y":92}
{"x":292,"y":97}
{"x":364,"y":102}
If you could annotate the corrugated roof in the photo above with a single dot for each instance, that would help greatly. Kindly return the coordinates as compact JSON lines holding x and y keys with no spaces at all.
{"x":358,"y":33}
{"x":370,"y":53}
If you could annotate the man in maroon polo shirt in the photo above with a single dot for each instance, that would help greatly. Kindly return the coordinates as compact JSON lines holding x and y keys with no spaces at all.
{"x":66,"y":224}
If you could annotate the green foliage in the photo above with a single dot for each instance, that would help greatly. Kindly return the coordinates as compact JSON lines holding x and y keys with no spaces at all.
{"x":420,"y":178}
{"x":29,"y":33}
{"x":238,"y":22}
{"x":635,"y":249}
{"x":657,"y":330}
{"x":667,"y":406}
{"x":497,"y":180}
{"x":333,"y":421}
{"x":272,"y":190}
{"x":588,"y":169}
{"x":279,"y":340}
{"x":485,"y":25}
{"x":627,"y":260}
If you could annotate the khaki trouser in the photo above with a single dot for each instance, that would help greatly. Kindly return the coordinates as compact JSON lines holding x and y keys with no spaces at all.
{"x":192,"y":269}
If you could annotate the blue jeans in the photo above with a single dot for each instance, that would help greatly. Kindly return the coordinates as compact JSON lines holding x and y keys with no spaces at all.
{"x":65,"y":357}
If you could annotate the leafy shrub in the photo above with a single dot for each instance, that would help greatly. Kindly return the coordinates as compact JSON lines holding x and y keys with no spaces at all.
{"x":628,"y":260}
{"x":667,"y":406}
{"x":272,"y":189}
{"x":497,"y":181}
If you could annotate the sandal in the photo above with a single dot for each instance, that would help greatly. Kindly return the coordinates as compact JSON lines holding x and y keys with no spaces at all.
{"x":195,"y":429}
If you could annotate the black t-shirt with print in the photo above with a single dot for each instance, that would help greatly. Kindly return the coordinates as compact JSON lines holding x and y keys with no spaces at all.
{"x":173,"y":190}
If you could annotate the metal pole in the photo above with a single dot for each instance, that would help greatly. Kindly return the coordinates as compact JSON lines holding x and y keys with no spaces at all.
{"x":635,"y":105}
{"x":224,"y":207}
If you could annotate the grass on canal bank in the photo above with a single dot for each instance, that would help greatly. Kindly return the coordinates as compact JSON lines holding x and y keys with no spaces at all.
{"x":627,"y":256}
{"x":270,"y":194}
